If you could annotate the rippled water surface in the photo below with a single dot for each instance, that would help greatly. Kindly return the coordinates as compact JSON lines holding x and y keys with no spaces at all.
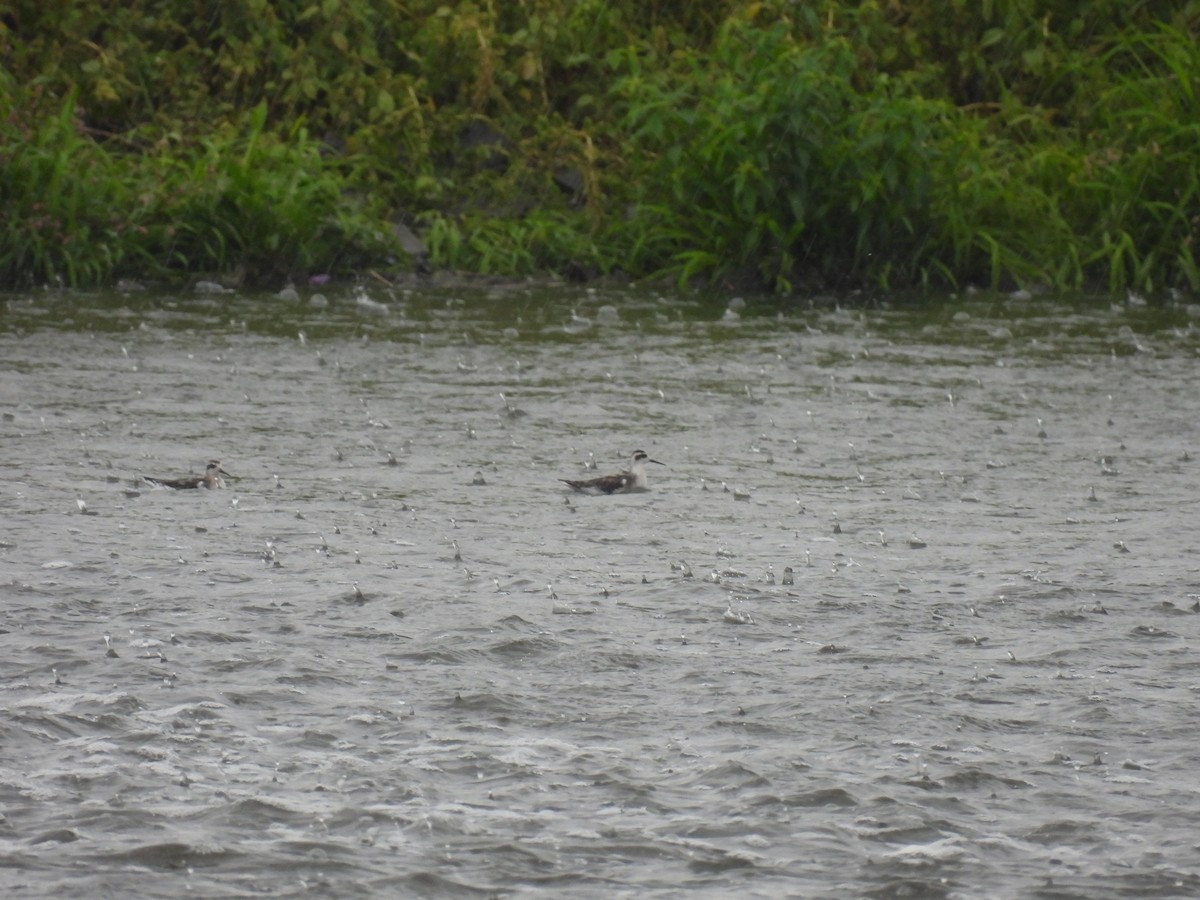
{"x":396,"y":657}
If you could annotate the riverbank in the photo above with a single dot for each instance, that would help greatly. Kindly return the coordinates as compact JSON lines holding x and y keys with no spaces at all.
{"x":748,"y":146}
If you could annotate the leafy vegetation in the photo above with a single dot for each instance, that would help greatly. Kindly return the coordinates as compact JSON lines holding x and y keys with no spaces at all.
{"x":760,"y":144}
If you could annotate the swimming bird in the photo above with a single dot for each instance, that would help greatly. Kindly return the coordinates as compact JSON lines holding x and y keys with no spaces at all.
{"x":211,"y":479}
{"x":630,"y":481}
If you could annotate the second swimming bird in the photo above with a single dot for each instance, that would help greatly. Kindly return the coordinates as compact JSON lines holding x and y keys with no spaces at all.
{"x":631,"y":481}
{"x":211,"y":479}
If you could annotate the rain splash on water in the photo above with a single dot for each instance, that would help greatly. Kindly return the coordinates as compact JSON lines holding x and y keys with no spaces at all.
{"x":908,"y":611}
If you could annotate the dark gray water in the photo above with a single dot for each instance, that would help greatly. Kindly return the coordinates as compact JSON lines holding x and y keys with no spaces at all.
{"x":395,"y":658}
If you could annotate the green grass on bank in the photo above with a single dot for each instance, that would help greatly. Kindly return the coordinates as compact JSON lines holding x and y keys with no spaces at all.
{"x":786,"y":146}
{"x":76,"y":213}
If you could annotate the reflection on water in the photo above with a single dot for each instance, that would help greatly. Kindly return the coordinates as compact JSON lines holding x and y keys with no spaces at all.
{"x":908,"y":612}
